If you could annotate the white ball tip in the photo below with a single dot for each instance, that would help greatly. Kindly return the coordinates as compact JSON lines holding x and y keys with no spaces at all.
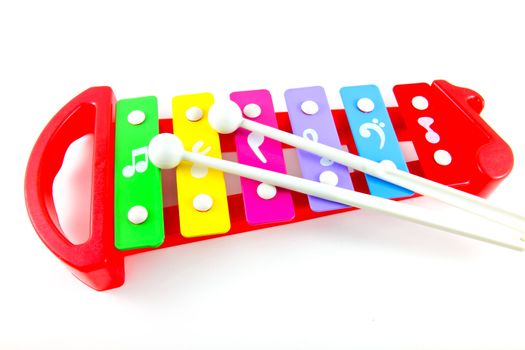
{"x":165,"y":151}
{"x":225,"y":117}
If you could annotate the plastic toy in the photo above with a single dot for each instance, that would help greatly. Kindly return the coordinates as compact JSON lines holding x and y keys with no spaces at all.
{"x":442,"y":122}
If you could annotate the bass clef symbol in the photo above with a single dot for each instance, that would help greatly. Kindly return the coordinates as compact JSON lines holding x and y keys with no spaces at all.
{"x":365,"y":130}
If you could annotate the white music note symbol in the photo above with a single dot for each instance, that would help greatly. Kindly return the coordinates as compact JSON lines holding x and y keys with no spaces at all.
{"x":312,"y":135}
{"x":364,"y":131}
{"x":199,"y":171}
{"x":431,"y":135}
{"x":255,"y":141}
{"x":140,"y":166}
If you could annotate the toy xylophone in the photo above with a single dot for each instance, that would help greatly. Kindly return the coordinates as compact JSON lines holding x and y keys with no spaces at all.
{"x":441,"y":122}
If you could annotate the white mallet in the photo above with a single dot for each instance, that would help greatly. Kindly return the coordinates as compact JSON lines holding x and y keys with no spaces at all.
{"x":166,"y":151}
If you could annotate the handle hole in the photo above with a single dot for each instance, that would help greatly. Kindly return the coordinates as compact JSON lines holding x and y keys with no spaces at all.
{"x":72,"y":190}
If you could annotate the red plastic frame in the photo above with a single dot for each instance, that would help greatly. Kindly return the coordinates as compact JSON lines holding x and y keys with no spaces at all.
{"x":96,"y":262}
{"x":100,"y":265}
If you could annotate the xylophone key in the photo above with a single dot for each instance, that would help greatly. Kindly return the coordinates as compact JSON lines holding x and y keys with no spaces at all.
{"x":262,"y":203}
{"x":374,"y":135}
{"x":139,"y":221}
{"x":437,"y":122}
{"x":311,"y":118}
{"x":203,"y":204}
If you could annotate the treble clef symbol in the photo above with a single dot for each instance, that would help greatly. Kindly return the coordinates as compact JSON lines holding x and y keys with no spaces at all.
{"x":312,"y":135}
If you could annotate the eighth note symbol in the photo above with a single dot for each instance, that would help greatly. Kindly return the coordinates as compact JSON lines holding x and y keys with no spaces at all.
{"x":140,"y":166}
{"x":431,"y":135}
{"x":375,"y":125}
{"x":255,"y":141}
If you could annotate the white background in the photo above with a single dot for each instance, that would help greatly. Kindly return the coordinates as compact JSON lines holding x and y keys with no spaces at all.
{"x":357,"y":280}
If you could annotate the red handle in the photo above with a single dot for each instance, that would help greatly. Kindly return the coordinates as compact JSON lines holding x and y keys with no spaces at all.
{"x":96,"y":262}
